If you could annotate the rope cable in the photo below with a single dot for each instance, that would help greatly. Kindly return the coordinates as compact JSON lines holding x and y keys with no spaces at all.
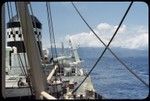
{"x":11,"y":9}
{"x":34,"y":25}
{"x":51,"y":19}
{"x":18,"y":55}
{"x":23,"y":53}
{"x":10,"y":14}
{"x":48,"y":18}
{"x":21,"y":37}
{"x":52,"y":37}
{"x":107,"y":44}
{"x":110,"y":49}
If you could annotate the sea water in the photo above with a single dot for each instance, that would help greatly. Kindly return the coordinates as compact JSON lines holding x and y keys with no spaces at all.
{"x":111,"y":79}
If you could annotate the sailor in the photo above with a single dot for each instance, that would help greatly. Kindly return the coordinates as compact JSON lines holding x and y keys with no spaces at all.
{"x":28,"y":76}
{"x":28,"y":79}
{"x":51,"y":60}
{"x":74,"y":95}
{"x":81,"y":96}
{"x":20,"y":83}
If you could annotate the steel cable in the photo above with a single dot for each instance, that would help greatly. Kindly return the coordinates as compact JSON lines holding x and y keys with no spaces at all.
{"x":48,"y":18}
{"x":110,"y":49}
{"x":107,"y":46}
{"x":23,"y":53}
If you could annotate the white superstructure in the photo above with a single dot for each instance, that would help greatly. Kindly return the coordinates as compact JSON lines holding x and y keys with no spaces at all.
{"x":16,"y":56}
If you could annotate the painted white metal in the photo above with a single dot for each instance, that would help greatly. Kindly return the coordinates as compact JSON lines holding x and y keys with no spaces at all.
{"x":17,"y":38}
{"x":23,"y":91}
{"x":51,"y":74}
{"x":74,"y":49}
{"x":47,"y":96}
{"x":63,"y":50}
{"x":7,"y":66}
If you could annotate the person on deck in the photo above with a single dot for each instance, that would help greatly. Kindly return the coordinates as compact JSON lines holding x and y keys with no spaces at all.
{"x":20,"y":83}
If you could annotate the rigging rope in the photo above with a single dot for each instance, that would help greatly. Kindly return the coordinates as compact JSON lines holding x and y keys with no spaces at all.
{"x":52,"y":40}
{"x":48,"y":18}
{"x":103,"y":42}
{"x":22,"y":39}
{"x":17,"y":13}
{"x":22,"y":65}
{"x":18,"y":55}
{"x":51,"y":29}
{"x":10,"y":14}
{"x":110,"y":49}
{"x":11,"y":9}
{"x":34,"y":25}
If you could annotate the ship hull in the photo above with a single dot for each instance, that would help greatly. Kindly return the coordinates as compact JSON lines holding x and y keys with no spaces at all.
{"x":18,"y":92}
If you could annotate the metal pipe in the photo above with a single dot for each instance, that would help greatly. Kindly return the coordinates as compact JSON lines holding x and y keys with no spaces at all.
{"x":47,"y":96}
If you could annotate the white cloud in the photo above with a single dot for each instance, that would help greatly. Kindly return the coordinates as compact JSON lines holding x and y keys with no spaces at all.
{"x":109,"y":29}
{"x":140,"y":41}
{"x":127,"y":37}
{"x":103,"y":27}
{"x":121,"y":29}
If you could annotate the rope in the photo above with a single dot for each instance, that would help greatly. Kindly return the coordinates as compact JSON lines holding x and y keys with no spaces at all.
{"x":21,"y":37}
{"x":105,"y":47}
{"x":34,"y":25}
{"x":23,"y":53}
{"x":52,"y":29}
{"x":48,"y":18}
{"x":11,"y":9}
{"x":8,"y":9}
{"x":19,"y":57}
{"x":10,"y":16}
{"x":112,"y":51}
{"x":22,"y":66}
{"x":52,"y":39}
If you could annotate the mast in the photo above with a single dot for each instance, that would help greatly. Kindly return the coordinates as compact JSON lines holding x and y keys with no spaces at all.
{"x":32,"y":50}
{"x":63,"y":50}
{"x":74,"y":50}
{"x":3,"y":51}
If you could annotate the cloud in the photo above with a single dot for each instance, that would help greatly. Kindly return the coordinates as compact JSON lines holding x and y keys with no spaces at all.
{"x":140,"y":41}
{"x":109,"y":29}
{"x":104,"y":27}
{"x":127,"y":37}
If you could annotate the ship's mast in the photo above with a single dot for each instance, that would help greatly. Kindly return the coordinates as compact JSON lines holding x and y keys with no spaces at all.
{"x":37,"y":78}
{"x":63,"y":50}
{"x":3,"y":51}
{"x":74,"y":50}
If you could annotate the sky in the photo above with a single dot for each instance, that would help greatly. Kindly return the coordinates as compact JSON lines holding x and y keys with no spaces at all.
{"x":103,"y":17}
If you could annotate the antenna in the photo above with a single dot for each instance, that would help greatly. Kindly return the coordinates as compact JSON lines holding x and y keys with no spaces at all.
{"x":63,"y":50}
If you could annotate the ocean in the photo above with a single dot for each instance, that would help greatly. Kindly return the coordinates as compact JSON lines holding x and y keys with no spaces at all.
{"x":111,"y":79}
